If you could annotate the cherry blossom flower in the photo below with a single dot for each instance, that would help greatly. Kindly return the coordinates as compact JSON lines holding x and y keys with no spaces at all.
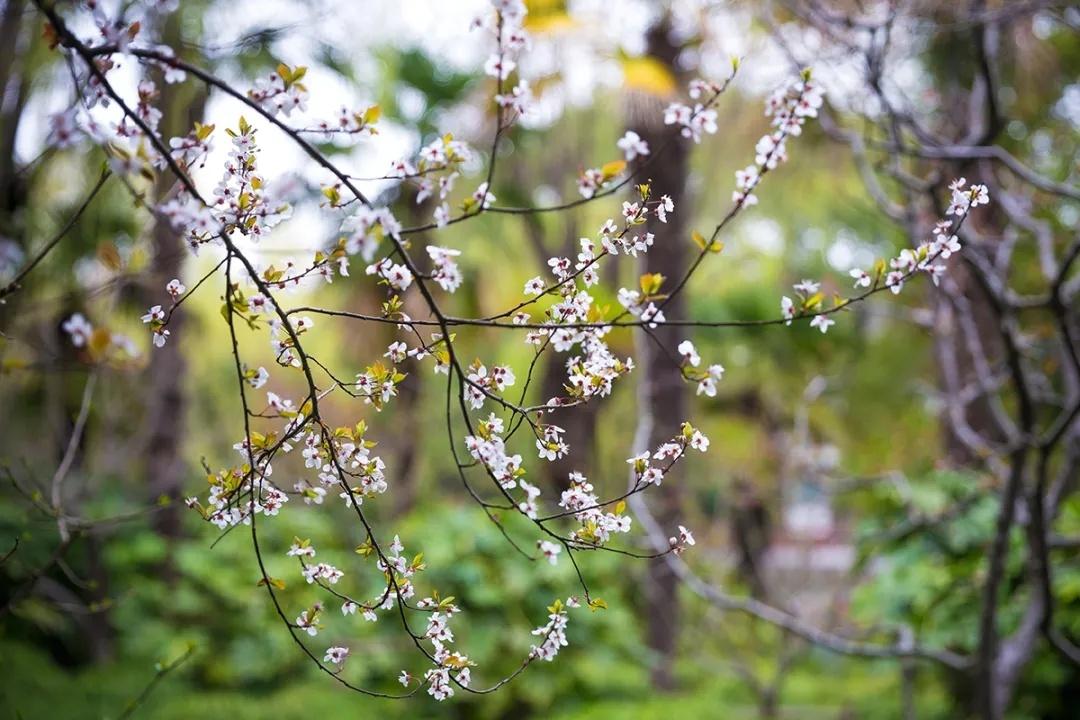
{"x":534,"y":286}
{"x":682,"y":541}
{"x":553,"y":633}
{"x":395,"y":275}
{"x":63,"y":129}
{"x":336,"y":655}
{"x":519,"y":99}
{"x":397,"y":352}
{"x":663,"y":207}
{"x":822,"y":322}
{"x":78,"y":329}
{"x":894,"y":280}
{"x":945,"y":246}
{"x":499,"y":66}
{"x":590,"y":181}
{"x":446,"y":272}
{"x":862,"y":279}
{"x":154,"y":315}
{"x":483,"y":197}
{"x":707,"y":384}
{"x":366,"y":228}
{"x":549,"y":550}
{"x":689,"y":353}
{"x":653,"y":316}
{"x":787,"y":309}
{"x":980,"y":195}
{"x":632,"y":146}
{"x":175,"y":288}
{"x":694,"y":122}
{"x":301,"y":548}
{"x":308,"y":621}
{"x":965,"y":199}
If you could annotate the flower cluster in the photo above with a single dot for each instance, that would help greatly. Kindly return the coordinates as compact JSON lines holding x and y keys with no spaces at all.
{"x":483,"y":384}
{"x":99,"y":345}
{"x":944,"y":242}
{"x":366,"y":228}
{"x":446,"y":272}
{"x":692,"y":121}
{"x":596,"y":525}
{"x":963,"y":200}
{"x":706,"y":379}
{"x":553,"y":634}
{"x":340,"y":471}
{"x":438,"y":632}
{"x":642,"y":303}
{"x":789,"y":106}
{"x":488,"y":447}
{"x":435,"y":170}
{"x":281,"y":91}
{"x":359,"y":123}
{"x":505,"y":25}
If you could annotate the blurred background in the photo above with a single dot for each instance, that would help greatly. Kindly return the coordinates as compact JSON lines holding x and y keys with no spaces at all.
{"x":838,"y":486}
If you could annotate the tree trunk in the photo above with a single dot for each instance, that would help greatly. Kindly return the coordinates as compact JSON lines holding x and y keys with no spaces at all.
{"x":579,"y":421}
{"x":665,"y":391}
{"x":164,"y":419}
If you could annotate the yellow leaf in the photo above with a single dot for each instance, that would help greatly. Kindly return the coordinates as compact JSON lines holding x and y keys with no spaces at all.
{"x":100,"y":340}
{"x":716,"y":246}
{"x":613,"y":168}
{"x":372,"y":114}
{"x":456,"y":661}
{"x":649,"y":75}
{"x":547,"y":16}
{"x":109,"y":256}
{"x":597,"y":604}
{"x":651,"y":283}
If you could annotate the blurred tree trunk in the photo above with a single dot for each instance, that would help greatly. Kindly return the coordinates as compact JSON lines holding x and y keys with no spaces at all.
{"x":579,"y":421}
{"x":410,"y":393}
{"x":958,"y":365}
{"x":13,"y":92}
{"x":969,"y":344}
{"x":664,"y":391}
{"x":751,"y":533}
{"x":164,"y":427}
{"x":59,"y":401}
